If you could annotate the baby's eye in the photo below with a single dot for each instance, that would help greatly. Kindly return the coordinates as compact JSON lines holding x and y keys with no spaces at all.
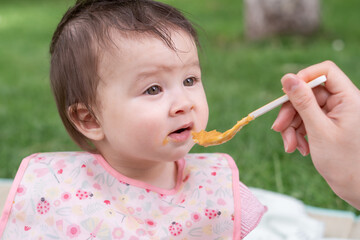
{"x":153,"y":90}
{"x":189,"y":82}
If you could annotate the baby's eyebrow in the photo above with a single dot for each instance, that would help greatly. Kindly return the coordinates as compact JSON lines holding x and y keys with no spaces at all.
{"x":165,"y":67}
{"x":149,"y":72}
{"x":195,"y":64}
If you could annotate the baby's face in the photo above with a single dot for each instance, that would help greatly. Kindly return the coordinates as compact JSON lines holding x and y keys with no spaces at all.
{"x":151,"y":97}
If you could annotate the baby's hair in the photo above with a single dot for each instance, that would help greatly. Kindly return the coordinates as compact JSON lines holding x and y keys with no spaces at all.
{"x":84,"y":31}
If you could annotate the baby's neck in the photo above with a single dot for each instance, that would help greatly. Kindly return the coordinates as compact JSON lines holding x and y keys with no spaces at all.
{"x":159,"y":174}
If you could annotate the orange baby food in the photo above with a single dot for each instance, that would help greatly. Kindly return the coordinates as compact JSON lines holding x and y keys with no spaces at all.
{"x":214,"y":137}
{"x":166,"y":140}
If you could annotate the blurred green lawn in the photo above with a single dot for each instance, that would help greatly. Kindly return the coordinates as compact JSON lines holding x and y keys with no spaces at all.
{"x":239,"y":77}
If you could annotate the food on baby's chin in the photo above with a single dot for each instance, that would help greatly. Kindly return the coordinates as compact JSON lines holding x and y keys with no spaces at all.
{"x":214,"y":137}
{"x":166,"y":140}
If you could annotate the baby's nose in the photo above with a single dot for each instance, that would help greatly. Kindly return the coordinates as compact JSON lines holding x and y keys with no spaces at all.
{"x":181,"y":105}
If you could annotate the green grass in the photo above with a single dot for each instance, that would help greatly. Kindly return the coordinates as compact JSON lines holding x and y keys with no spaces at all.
{"x":249,"y":73}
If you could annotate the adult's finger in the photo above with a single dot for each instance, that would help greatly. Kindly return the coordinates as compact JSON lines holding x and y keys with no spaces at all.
{"x":337,"y":81}
{"x":302,"y":98}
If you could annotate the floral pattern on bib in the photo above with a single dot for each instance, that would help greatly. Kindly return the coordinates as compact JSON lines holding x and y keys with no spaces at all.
{"x":77,"y":195}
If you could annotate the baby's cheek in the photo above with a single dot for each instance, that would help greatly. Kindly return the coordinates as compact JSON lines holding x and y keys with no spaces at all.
{"x":149,"y":132}
{"x":204,"y":117}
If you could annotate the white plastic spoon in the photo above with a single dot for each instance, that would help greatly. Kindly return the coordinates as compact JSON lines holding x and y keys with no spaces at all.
{"x":215,"y":138}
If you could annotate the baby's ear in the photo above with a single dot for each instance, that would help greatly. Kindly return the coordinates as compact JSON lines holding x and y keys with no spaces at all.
{"x":85,"y":122}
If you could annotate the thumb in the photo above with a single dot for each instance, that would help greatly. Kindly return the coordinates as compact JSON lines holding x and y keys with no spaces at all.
{"x":303,"y":99}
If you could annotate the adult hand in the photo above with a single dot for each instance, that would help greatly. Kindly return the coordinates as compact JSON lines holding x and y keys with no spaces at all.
{"x":330,"y":117}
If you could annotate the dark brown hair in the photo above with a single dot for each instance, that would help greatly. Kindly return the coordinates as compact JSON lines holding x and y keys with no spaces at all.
{"x":81,"y":34}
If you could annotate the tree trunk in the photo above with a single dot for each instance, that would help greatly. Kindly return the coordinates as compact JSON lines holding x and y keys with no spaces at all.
{"x":265,"y":18}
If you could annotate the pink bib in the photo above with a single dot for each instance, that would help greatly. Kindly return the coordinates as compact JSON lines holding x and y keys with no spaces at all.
{"x":78,"y":195}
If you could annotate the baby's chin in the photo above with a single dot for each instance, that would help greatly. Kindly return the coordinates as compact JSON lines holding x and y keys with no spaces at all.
{"x":180,"y":152}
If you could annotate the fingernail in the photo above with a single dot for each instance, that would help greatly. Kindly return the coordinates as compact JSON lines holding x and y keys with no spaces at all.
{"x":290,"y":84}
{"x":286,"y":145}
{"x":272,"y":127}
{"x":275,"y":123}
{"x":302,"y":150}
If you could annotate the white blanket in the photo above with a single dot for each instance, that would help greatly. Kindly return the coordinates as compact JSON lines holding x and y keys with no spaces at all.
{"x":287,"y":219}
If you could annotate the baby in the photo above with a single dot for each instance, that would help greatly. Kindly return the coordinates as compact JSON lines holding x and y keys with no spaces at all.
{"x":127,"y":82}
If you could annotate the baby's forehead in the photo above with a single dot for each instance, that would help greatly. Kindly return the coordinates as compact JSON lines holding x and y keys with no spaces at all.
{"x":120,"y":44}
{"x":118,"y":39}
{"x":115,"y":39}
{"x":135,"y":52}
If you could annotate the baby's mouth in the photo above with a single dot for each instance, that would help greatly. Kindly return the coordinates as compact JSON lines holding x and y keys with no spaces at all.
{"x":186,"y":127}
{"x":180,"y":130}
{"x":181,"y":134}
